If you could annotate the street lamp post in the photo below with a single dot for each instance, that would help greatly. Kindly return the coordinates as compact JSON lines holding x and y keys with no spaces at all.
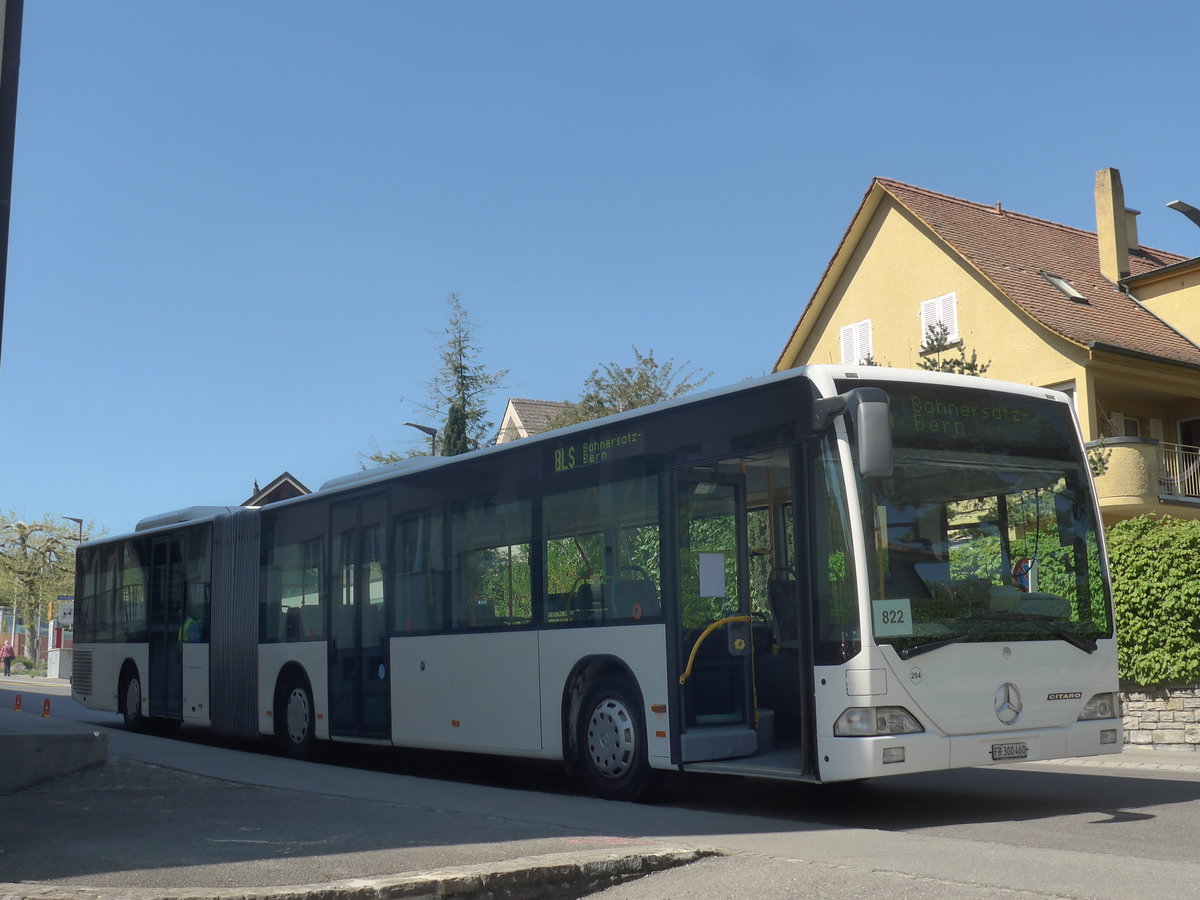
{"x":432,"y":432}
{"x":78,"y":522}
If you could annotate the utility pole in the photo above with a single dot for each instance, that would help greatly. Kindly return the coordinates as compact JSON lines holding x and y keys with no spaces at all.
{"x":12,"y":15}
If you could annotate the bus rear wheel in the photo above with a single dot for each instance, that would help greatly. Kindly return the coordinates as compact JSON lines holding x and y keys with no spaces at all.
{"x":130,"y":695}
{"x":611,"y":740}
{"x":295,"y":722}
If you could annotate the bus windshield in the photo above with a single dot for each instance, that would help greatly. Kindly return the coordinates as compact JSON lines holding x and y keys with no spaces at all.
{"x":986,"y":530}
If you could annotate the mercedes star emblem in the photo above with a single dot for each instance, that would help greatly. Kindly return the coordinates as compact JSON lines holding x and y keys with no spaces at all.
{"x":1008,"y":703}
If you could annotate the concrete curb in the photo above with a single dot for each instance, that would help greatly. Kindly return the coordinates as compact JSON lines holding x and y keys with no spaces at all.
{"x":560,"y":876}
{"x":30,"y":759}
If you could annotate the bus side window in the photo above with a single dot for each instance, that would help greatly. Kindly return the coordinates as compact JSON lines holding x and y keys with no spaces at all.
{"x":491,"y":582}
{"x":292,"y":607}
{"x":419,"y":579}
{"x":199,"y":567}
{"x":601,"y":549}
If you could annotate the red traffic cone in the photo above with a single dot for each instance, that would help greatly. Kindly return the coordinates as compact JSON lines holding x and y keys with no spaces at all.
{"x":17,"y":704}
{"x":46,"y":708}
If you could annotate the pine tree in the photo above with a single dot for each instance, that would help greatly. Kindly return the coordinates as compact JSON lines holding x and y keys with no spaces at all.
{"x":937,"y":342}
{"x":454,"y":435}
{"x":458,"y":393}
{"x":462,"y":381}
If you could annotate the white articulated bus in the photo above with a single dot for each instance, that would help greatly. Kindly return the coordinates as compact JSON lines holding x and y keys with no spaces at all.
{"x":827,"y":574}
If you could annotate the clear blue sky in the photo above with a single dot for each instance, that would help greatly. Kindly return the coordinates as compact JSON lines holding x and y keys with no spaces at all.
{"x":234,"y":225}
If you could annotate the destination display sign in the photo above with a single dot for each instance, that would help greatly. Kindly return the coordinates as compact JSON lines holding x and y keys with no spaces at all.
{"x":577,"y":452}
{"x":949,"y":417}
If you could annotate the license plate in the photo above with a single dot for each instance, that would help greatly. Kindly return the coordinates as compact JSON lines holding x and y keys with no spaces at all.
{"x":1017,"y":750}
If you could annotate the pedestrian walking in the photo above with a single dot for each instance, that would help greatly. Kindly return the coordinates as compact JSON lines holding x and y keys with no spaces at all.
{"x":7,"y":654}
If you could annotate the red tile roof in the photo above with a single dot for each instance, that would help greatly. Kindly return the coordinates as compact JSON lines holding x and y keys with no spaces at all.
{"x":536,"y":415}
{"x":1011,"y":250}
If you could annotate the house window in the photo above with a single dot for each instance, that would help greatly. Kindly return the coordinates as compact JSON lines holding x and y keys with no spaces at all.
{"x":942,"y":309}
{"x":856,"y":342}
{"x":1065,"y":286}
{"x":1068,"y":388}
{"x":1124,"y":426}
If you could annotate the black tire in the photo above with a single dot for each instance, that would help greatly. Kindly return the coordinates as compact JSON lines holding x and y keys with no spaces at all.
{"x":295,"y":718}
{"x":611,"y":740}
{"x":129,"y":700}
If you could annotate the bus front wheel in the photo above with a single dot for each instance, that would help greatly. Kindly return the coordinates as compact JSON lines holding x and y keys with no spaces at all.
{"x":611,"y":740}
{"x":295,"y":722}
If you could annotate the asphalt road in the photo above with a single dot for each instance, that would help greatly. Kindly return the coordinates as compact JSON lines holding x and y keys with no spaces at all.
{"x":1122,"y":827}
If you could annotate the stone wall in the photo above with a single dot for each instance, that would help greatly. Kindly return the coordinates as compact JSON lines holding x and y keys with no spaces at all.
{"x":1162,"y":718}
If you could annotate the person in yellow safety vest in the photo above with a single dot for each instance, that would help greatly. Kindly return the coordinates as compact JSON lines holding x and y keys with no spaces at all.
{"x":189,"y":631}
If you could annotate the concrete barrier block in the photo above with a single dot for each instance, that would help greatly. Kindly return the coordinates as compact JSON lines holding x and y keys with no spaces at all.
{"x":27,"y":759}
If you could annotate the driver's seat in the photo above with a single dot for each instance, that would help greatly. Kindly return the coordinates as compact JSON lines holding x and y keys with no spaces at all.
{"x":635,"y":598}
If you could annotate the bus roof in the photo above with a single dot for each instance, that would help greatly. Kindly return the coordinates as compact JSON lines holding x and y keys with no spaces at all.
{"x":823,"y":377}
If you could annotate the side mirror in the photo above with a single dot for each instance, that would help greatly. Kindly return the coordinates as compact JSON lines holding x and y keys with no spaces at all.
{"x":868,"y":407}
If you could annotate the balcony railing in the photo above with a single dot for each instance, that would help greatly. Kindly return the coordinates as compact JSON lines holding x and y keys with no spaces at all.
{"x":1179,"y":470}
{"x":1140,"y":476}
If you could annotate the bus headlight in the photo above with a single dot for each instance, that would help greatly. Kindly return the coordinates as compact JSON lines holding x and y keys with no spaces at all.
{"x":1101,"y":706}
{"x":869,"y":721}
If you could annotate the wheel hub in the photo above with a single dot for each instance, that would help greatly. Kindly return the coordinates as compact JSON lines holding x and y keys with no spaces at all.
{"x":611,"y":738}
{"x":297,"y":716}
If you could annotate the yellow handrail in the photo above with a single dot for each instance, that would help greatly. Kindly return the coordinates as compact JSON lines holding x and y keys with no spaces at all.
{"x":687,"y":672}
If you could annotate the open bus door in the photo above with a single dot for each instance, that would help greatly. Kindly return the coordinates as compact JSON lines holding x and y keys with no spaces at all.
{"x":716,"y":659}
{"x":742,"y":658}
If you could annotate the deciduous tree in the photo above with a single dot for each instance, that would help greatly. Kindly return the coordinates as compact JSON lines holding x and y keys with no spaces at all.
{"x":614,"y":388}
{"x":37,"y":564}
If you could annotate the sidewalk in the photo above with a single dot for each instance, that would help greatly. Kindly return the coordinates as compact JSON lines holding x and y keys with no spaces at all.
{"x":181,"y":820}
{"x":1133,"y":758}
{"x":41,"y":680}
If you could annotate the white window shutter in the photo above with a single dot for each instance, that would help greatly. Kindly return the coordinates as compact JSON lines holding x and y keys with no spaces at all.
{"x":855,"y":342}
{"x":1156,"y":429}
{"x":1118,"y":423}
{"x":864,"y":348}
{"x":948,"y":313}
{"x":846,"y":337}
{"x":942,"y":309}
{"x":929,"y":316}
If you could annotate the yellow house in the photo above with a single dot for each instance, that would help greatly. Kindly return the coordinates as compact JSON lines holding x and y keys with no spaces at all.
{"x":1094,"y":314}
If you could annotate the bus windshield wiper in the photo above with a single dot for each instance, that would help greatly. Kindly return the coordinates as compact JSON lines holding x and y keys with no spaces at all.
{"x":1084,"y":642}
{"x":910,"y":652}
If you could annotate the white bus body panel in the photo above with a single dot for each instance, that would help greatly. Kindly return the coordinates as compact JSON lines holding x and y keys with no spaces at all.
{"x":475,"y":692}
{"x":641,"y":647}
{"x":107,"y":660}
{"x":952,"y":693}
{"x":313,"y":657}
{"x":195,"y":685}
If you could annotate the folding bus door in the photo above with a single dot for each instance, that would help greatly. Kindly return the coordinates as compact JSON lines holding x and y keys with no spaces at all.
{"x":359,"y":701}
{"x":167,"y":613}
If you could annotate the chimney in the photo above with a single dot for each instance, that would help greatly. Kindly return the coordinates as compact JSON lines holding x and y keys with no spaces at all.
{"x":1131,"y":236}
{"x":1112,"y":231}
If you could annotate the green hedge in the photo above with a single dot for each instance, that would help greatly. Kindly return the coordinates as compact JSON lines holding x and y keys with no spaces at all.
{"x":1155,"y":565}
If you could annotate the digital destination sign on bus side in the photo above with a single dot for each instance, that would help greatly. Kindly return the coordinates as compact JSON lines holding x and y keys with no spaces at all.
{"x":592,"y":449}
